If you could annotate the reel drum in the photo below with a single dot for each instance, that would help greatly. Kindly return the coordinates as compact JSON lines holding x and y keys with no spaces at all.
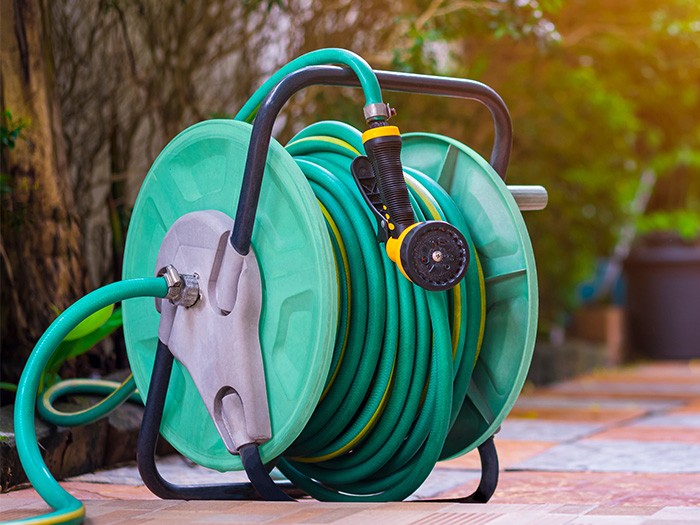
{"x":202,"y":169}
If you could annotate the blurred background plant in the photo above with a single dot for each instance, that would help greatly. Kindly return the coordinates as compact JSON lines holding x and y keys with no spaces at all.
{"x":599,"y":91}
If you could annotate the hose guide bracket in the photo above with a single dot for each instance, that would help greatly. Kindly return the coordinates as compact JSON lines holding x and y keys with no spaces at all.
{"x":215,"y":336}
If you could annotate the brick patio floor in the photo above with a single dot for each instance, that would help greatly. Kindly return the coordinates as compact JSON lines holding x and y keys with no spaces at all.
{"x":616,"y":446}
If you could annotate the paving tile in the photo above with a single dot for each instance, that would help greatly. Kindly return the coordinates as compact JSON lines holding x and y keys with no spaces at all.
{"x":617,"y":456}
{"x":408,"y":514}
{"x":691,"y":514}
{"x":454,"y":518}
{"x":548,"y":431}
{"x":692,"y":407}
{"x":314,"y":514}
{"x":533,"y":518}
{"x":117,"y":517}
{"x":627,"y":510}
{"x":89,"y":491}
{"x":27,"y":511}
{"x":645,"y":390}
{"x":594,"y":414}
{"x":608,"y":520}
{"x":504,"y":508}
{"x":175,"y":469}
{"x":671,"y":420}
{"x":510,"y":452}
{"x":584,"y":488}
{"x":639,"y":432}
{"x":655,"y":521}
{"x":441,"y":480}
{"x":658,"y":371}
{"x":575,"y":509}
{"x":542,"y":399}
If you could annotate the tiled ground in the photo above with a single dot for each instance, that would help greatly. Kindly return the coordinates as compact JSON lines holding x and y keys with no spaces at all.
{"x":619,"y":446}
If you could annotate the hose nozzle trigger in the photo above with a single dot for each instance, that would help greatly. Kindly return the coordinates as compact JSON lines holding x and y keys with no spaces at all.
{"x":363,"y":173}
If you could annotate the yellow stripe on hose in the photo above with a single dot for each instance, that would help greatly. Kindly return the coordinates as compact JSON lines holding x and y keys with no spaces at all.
{"x":55,"y":519}
{"x":427,"y":199}
{"x":331,"y":140}
{"x":346,"y":266}
{"x":482,"y":291}
{"x":456,"y":318}
{"x":362,"y":433}
{"x":46,"y":397}
{"x":381,"y":131}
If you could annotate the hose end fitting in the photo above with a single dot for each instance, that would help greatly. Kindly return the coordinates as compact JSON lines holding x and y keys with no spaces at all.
{"x":183,"y":289}
{"x":378,"y":112}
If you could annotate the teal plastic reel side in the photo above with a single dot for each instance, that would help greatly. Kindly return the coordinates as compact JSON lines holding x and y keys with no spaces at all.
{"x":505,"y":252}
{"x":200,"y":169}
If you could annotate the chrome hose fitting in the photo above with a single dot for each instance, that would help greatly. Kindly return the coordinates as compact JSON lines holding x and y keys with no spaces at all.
{"x":183,"y":289}
{"x":378,"y":111}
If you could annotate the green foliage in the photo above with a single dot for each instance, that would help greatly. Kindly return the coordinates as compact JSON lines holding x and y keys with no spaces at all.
{"x":419,"y":54}
{"x":599,"y":91}
{"x":684,"y":222}
{"x":10,"y":130}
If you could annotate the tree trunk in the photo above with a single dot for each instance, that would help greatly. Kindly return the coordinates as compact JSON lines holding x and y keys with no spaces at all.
{"x":42,"y":270}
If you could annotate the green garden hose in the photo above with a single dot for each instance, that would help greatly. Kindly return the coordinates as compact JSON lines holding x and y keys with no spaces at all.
{"x":368,"y":80}
{"x":114,"y":395}
{"x":67,"y":509}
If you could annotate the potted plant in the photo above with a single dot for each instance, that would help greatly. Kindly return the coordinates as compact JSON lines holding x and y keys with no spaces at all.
{"x":663,"y":269}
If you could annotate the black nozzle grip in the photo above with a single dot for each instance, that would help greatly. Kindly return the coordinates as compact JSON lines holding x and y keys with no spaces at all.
{"x":384,"y":152}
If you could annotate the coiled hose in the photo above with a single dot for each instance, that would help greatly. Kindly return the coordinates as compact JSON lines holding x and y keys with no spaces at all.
{"x":403,"y":355}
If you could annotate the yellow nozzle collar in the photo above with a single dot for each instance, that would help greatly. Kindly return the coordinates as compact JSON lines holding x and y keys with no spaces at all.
{"x":381,"y":131}
{"x":393,"y":248}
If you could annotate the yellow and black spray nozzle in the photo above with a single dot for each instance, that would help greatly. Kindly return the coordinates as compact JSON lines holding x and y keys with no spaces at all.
{"x":432,"y":254}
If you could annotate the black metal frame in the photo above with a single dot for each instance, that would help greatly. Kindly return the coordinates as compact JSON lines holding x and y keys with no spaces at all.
{"x":261,"y":486}
{"x":338,"y":76}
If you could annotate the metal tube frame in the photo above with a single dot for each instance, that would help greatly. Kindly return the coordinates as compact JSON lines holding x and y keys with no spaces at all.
{"x":338,"y":76}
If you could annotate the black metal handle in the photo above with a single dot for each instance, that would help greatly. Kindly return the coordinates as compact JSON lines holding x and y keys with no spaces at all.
{"x":338,"y":76}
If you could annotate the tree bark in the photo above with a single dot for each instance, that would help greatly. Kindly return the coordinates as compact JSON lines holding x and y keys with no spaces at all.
{"x":40,"y":257}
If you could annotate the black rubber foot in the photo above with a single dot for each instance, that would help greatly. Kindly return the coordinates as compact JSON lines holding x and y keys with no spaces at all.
{"x":489,"y":475}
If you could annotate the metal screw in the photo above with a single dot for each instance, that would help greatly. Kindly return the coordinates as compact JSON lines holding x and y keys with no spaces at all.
{"x":437,"y":256}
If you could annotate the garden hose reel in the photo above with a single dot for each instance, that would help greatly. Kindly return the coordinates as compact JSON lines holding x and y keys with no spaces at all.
{"x":290,"y":243}
{"x":350,"y":308}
